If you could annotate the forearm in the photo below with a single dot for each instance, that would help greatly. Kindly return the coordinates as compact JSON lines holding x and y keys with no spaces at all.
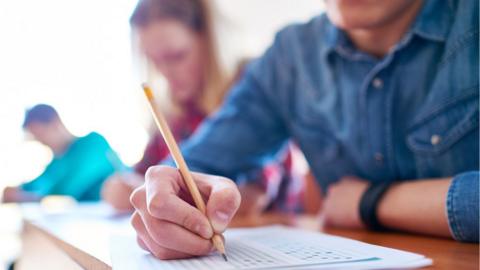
{"x":416,"y":206}
{"x":254,"y":199}
{"x":249,"y":128}
{"x":15,"y":194}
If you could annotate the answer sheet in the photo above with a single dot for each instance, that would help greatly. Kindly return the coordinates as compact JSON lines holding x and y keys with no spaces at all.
{"x":274,"y":247}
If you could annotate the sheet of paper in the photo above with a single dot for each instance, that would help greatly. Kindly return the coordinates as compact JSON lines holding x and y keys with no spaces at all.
{"x":274,"y":247}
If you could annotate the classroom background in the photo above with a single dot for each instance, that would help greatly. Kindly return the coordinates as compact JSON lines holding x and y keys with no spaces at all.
{"x":78,"y":57}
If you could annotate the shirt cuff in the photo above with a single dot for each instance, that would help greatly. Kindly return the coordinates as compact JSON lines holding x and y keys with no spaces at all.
{"x":462,"y":207}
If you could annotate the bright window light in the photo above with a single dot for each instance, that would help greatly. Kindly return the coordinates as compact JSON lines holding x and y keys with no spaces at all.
{"x":76,"y":56}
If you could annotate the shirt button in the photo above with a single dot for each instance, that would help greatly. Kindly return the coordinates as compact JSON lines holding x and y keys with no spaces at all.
{"x":377,"y":83}
{"x":435,"y":139}
{"x":378,"y":158}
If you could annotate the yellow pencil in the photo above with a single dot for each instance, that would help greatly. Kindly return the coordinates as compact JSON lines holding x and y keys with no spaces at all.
{"x":180,"y":162}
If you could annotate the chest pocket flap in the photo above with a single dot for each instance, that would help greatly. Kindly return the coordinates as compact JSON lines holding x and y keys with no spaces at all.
{"x":436,"y":131}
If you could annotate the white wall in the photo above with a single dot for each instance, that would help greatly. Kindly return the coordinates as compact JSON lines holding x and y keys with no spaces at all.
{"x":258,"y":20}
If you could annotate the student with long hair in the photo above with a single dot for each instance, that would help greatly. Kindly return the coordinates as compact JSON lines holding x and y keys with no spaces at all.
{"x":180,"y":46}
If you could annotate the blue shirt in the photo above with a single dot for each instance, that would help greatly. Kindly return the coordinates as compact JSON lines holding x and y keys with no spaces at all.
{"x":412,"y":114}
{"x":79,"y":171}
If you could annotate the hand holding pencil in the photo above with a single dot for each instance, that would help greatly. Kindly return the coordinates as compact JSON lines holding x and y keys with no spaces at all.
{"x":171,"y":218}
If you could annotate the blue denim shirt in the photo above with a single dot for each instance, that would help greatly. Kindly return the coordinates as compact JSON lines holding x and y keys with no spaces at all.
{"x":412,"y":114}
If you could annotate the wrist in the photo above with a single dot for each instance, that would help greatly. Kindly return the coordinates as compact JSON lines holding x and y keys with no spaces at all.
{"x":370,"y":203}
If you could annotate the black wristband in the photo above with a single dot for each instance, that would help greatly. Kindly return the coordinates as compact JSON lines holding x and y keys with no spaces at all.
{"x":369,"y":204}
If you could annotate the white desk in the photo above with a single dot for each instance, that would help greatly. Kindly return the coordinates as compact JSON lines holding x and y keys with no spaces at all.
{"x":81,"y":232}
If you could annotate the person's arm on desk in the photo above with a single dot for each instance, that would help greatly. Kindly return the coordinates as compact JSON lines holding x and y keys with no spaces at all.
{"x":417,"y":206}
{"x":442,"y":207}
{"x":15,"y":194}
{"x":32,"y":191}
{"x":117,"y":189}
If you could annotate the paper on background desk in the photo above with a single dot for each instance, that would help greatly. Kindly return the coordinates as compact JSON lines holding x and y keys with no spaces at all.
{"x":273,"y":247}
{"x":86,"y":226}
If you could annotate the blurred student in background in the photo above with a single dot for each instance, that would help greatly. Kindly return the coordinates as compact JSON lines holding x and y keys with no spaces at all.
{"x":79,"y":165}
{"x":179,"y":42}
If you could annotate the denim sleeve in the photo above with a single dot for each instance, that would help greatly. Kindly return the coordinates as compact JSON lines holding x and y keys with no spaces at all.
{"x":462,"y":207}
{"x":248,"y":129}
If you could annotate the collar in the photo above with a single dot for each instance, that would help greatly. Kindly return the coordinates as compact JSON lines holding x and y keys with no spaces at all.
{"x":432,"y":22}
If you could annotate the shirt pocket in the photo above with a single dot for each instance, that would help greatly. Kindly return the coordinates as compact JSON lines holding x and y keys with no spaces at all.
{"x":445,"y":139}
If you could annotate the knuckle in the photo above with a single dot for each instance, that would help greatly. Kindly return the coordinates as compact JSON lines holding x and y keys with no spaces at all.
{"x":134,"y":200}
{"x":158,"y":205}
{"x":190,"y":220}
{"x":136,"y":196}
{"x":230,"y":198}
{"x":156,"y":172}
{"x":135,"y":221}
{"x":227,"y":181}
{"x":152,"y":172}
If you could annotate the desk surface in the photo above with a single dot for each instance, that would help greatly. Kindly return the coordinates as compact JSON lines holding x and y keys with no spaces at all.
{"x":446,"y":254}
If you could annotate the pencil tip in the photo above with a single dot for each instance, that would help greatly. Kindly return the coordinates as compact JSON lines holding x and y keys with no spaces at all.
{"x":224,"y":257}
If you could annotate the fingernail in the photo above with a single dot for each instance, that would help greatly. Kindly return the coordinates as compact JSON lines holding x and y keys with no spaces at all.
{"x":204,"y":231}
{"x":220,"y":221}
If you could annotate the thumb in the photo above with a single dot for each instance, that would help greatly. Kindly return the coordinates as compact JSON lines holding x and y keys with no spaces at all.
{"x":222,"y":204}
